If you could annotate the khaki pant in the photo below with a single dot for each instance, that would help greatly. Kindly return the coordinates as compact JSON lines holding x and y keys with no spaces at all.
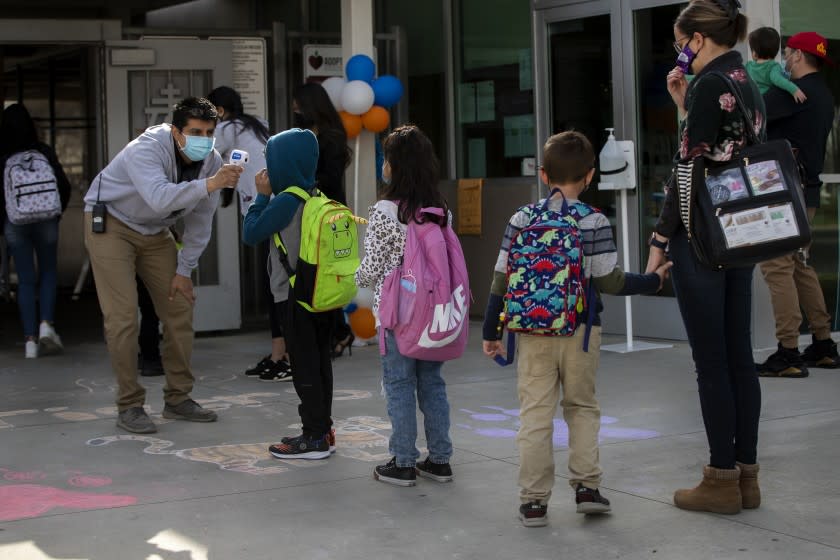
{"x":115,"y":257}
{"x":546,"y":364}
{"x":793,"y":285}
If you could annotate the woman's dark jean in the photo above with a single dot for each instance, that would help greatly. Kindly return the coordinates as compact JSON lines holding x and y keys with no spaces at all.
{"x":25,"y":242}
{"x":715,"y":307}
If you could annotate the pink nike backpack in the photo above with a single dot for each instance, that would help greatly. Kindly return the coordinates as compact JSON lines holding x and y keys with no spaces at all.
{"x":425,"y":301}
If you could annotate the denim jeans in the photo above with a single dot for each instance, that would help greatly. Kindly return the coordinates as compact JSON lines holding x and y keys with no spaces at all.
{"x":716,"y":307}
{"x":40,"y":238}
{"x":402,"y":378}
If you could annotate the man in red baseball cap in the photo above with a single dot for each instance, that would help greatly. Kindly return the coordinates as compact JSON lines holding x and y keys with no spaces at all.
{"x":811,"y":43}
{"x":792,"y":281}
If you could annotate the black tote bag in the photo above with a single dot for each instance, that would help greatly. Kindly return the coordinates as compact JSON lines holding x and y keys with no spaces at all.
{"x":746,"y":210}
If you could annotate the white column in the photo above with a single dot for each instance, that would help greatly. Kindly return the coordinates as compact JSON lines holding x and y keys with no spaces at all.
{"x":357,"y":38}
{"x":761,"y":13}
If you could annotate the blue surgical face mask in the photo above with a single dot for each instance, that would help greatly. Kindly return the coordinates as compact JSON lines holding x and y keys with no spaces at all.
{"x":685,"y":58}
{"x":196,"y":148}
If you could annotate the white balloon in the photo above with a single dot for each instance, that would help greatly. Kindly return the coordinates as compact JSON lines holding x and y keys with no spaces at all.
{"x":357,"y":97}
{"x":364,"y":298}
{"x":334,"y":87}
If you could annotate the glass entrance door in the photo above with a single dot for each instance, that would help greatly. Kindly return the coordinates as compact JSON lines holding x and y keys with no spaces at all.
{"x":603,"y":64}
{"x":647,"y":36}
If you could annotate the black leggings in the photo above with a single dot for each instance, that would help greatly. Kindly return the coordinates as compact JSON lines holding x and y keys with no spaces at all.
{"x":716,"y":311}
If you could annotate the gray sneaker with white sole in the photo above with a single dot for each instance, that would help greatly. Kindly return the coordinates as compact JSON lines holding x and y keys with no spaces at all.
{"x":189,"y":410}
{"x":135,"y":420}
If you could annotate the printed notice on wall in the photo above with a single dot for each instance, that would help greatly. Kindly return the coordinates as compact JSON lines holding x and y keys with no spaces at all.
{"x":759,"y":225}
{"x":249,"y":77}
{"x":248,"y":73}
{"x":469,"y":206}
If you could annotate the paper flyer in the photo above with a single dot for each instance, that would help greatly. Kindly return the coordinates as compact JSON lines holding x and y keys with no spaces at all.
{"x":759,"y":225}
{"x":765,"y":177}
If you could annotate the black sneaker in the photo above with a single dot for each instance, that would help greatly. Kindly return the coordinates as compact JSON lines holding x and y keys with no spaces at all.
{"x":439,"y":472}
{"x":136,"y":421}
{"x":280,"y":370}
{"x":301,"y":447}
{"x":263,"y":365}
{"x":190,"y":411}
{"x":784,"y":362}
{"x":821,"y":354}
{"x":590,"y":501}
{"x":392,"y":474}
{"x":149,"y":367}
{"x":534,"y":514}
{"x":330,"y":440}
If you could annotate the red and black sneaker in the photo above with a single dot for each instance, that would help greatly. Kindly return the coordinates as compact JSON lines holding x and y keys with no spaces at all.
{"x":330,"y":439}
{"x":534,"y":514}
{"x":590,"y":501}
{"x":301,"y":447}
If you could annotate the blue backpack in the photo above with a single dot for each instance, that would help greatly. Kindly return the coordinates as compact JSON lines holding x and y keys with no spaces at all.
{"x":547,"y":290}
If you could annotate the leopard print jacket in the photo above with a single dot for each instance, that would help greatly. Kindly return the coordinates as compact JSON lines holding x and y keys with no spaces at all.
{"x":384,"y":248}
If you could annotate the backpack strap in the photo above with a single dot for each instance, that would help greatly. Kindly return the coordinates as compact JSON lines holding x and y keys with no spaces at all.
{"x":303,"y":196}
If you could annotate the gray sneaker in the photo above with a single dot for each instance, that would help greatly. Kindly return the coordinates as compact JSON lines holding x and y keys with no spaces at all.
{"x":189,"y":410}
{"x":136,"y":420}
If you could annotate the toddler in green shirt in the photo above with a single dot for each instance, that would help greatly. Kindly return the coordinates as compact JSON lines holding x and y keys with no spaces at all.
{"x":763,"y":68}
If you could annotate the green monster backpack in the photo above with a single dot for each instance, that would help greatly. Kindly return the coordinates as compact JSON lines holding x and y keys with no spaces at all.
{"x":329,"y":253}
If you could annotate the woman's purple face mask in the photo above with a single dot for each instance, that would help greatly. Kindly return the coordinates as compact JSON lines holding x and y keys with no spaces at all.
{"x":685,"y":58}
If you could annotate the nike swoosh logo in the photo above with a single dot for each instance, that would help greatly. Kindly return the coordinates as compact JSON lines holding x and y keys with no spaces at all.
{"x":426,"y":342}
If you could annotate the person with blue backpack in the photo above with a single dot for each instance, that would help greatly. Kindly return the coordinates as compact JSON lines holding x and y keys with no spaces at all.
{"x":412,"y":255}
{"x":556,"y":257}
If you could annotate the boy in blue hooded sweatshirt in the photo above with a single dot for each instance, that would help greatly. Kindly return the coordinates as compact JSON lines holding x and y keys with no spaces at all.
{"x":291,"y":158}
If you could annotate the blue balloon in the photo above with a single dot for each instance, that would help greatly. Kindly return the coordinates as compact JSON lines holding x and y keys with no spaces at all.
{"x":351,"y":307}
{"x":387,"y":90}
{"x":360,"y":67}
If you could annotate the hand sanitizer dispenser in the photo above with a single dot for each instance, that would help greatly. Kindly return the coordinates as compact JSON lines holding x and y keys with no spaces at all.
{"x":617,"y":164}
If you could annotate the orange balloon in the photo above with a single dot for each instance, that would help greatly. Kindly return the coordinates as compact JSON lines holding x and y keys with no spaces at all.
{"x":362,"y":323}
{"x":352,"y":124}
{"x":376,"y":119}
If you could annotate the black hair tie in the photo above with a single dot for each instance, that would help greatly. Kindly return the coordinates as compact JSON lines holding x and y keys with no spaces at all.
{"x":731,"y":7}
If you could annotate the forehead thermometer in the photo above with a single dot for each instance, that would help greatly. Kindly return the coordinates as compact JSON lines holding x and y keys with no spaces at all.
{"x":239,"y":157}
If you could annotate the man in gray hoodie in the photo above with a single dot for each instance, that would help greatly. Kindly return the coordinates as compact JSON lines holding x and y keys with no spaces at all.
{"x":169,"y":172}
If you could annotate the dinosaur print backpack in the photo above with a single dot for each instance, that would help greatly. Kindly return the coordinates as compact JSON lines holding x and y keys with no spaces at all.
{"x":547,"y":291}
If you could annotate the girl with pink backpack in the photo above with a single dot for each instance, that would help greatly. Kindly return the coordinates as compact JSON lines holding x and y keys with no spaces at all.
{"x":410,"y":214}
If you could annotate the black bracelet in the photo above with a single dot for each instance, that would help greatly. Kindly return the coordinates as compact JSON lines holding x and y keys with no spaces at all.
{"x":654,"y":242}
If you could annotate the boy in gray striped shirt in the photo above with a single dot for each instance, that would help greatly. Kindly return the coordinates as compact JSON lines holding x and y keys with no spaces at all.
{"x":547,"y":363}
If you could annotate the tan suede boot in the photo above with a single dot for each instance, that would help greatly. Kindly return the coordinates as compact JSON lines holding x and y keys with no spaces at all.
{"x":718,"y":492}
{"x":750,"y":492}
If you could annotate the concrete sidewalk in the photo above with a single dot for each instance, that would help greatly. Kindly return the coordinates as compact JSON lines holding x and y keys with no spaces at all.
{"x":72,"y":486}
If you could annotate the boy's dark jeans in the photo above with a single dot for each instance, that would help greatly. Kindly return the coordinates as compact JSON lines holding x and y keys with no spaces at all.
{"x":716,"y":307}
{"x":308,"y":337}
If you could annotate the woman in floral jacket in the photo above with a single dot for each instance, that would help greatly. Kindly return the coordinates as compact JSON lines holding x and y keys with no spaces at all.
{"x":715,"y":305}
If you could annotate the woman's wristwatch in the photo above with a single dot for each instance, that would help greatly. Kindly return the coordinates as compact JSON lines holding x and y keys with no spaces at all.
{"x":654,"y":242}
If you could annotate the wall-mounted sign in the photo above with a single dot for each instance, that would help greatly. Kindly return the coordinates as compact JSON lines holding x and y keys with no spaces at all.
{"x":324,"y":61}
{"x":469,"y":206}
{"x":249,"y":75}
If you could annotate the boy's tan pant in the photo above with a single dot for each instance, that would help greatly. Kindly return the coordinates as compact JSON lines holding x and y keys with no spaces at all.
{"x":117,"y":257}
{"x":546,"y":363}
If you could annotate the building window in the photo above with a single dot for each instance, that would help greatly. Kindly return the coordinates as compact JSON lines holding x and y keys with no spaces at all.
{"x":494,"y":92}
